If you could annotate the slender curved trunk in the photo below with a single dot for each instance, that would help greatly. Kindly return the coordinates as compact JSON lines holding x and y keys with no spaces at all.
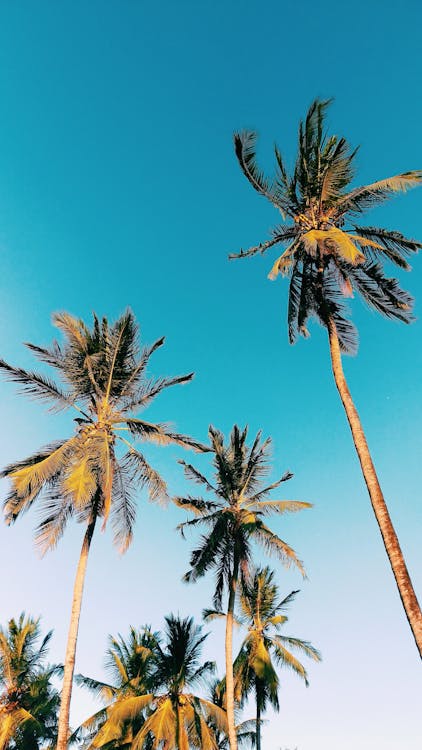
{"x":69,"y":664}
{"x":389,"y":536}
{"x":258,"y":716}
{"x":229,"y":659}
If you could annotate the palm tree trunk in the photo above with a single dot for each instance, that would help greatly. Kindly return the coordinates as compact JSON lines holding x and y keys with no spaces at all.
{"x":229,"y":659}
{"x":69,"y":664}
{"x":258,"y":716}
{"x":389,"y":536}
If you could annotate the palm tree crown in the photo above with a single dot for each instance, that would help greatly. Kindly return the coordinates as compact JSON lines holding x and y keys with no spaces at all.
{"x":103,"y":374}
{"x":235,"y":517}
{"x":329,"y":255}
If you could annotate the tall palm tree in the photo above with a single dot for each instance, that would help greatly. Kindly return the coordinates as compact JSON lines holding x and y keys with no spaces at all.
{"x":254,"y":668}
{"x":28,"y":701}
{"x":235,"y":520}
{"x":170,"y":715}
{"x":103,"y":374}
{"x":328,"y":257}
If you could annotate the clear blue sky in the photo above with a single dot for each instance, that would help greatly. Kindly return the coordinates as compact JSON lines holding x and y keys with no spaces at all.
{"x":118,"y":186}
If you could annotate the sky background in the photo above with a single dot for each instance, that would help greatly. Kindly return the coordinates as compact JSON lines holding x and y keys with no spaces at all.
{"x":119,"y":186}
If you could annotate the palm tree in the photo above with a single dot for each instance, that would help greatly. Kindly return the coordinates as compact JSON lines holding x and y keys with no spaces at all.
{"x":245,"y":730}
{"x":255,"y":671}
{"x":103,"y":374}
{"x":130,"y":663}
{"x":329,"y":256}
{"x":28,"y":701}
{"x":234,"y":519}
{"x":170,"y":716}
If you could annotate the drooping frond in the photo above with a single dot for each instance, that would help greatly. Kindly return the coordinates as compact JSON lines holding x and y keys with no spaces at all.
{"x":145,"y":475}
{"x":245,"y":148}
{"x":275,"y":546}
{"x":394,"y":245}
{"x":381,"y":293}
{"x":124,"y":508}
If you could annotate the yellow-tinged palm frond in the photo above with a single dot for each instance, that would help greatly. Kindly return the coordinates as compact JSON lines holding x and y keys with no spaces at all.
{"x":381,"y":189}
{"x":268,"y":507}
{"x":123,"y":710}
{"x":365,"y":241}
{"x":216,"y":713}
{"x":162,"y":725}
{"x":10,"y":723}
{"x":80,"y":481}
{"x":284,"y":262}
{"x":29,"y":477}
{"x":287,"y":659}
{"x":260,"y":660}
{"x":277,"y":620}
{"x":333,"y":240}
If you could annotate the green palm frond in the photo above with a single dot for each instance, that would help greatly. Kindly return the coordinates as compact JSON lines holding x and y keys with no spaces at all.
{"x":245,"y":148}
{"x":196,"y":476}
{"x":395,"y":246}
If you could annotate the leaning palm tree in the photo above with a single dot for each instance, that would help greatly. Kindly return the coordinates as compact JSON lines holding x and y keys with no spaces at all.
{"x":170,"y":715}
{"x":235,"y":520}
{"x":96,"y":471}
{"x":328,"y":257}
{"x":255,"y":669}
{"x":28,"y":701}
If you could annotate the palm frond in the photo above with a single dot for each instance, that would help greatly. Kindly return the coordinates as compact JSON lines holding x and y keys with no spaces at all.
{"x":37,"y":386}
{"x":365,"y":197}
{"x":274,"y":545}
{"x":138,"y":467}
{"x":394,"y":245}
{"x":268,"y":507}
{"x":245,"y":150}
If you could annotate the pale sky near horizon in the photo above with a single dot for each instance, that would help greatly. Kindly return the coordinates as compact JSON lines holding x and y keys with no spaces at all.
{"x":119,"y":187}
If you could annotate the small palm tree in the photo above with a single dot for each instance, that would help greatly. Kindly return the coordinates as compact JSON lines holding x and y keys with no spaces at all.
{"x":103,"y":373}
{"x":130,"y":663}
{"x":28,"y":701}
{"x":328,"y":257}
{"x":170,"y":716}
{"x":254,"y":668}
{"x":245,"y":730}
{"x":235,"y":520}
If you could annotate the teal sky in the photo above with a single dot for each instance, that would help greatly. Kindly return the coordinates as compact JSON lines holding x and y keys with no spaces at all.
{"x":119,"y":186}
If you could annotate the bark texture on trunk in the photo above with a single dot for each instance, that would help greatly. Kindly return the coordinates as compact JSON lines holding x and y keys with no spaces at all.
{"x":389,"y":536}
{"x":69,"y":664}
{"x":229,"y":660}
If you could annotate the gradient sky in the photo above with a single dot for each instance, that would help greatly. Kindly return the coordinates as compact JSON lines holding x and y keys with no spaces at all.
{"x":119,"y":186}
